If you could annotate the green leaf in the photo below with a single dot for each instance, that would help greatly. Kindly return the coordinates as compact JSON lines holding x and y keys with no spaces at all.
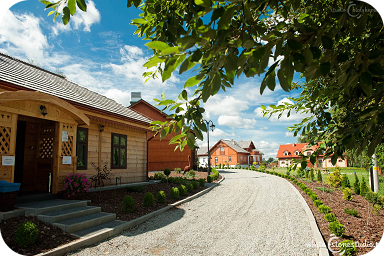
{"x":230,"y":65}
{"x":82,"y":5}
{"x":294,"y":45}
{"x":283,"y":81}
{"x":153,"y":61}
{"x":215,"y":83}
{"x":325,"y":68}
{"x":51,"y":12}
{"x":184,"y":95}
{"x":164,"y":133}
{"x":198,"y":133}
{"x":170,"y":50}
{"x":192,"y":81}
{"x":271,"y":81}
{"x":226,"y":18}
{"x":308,"y":56}
{"x":248,"y":44}
{"x":72,"y":6}
{"x":327,"y":42}
{"x":272,"y":68}
{"x":66,"y":15}
{"x":191,"y":141}
{"x":316,"y":52}
{"x":366,"y":83}
{"x":375,"y":69}
{"x":45,"y":2}
{"x":205,"y":3}
{"x":157,"y":45}
{"x":186,"y":65}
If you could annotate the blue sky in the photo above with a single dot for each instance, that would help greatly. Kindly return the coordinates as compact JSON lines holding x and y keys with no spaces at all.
{"x":98,"y":50}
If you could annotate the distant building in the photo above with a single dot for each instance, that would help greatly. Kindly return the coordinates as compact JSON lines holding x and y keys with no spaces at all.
{"x":230,"y":152}
{"x":288,"y":152}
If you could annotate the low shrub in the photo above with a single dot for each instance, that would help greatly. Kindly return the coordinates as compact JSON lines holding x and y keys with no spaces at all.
{"x":330,"y":217}
{"x":195,"y":184}
{"x":363,"y":187}
{"x":336,"y":228}
{"x":347,"y":194}
{"x":327,"y":190}
{"x":351,"y":212}
{"x":324,"y":209}
{"x":177,"y":170}
{"x":190,"y":187}
{"x":26,"y":234}
{"x":191,"y":174}
{"x":314,"y":197}
{"x":262,"y":168}
{"x":175,"y":193}
{"x":312,"y":174}
{"x":135,"y":188}
{"x":317,"y":203}
{"x":334,"y":179}
{"x":345,"y":183}
{"x":319,"y":176}
{"x":128,"y":204}
{"x":159,"y":176}
{"x":161,"y":197}
{"x":356,"y":185}
{"x":183,"y":190}
{"x":201,"y":182}
{"x":209,"y":179}
{"x":149,"y":200}
{"x":347,"y":248}
{"x":308,"y":191}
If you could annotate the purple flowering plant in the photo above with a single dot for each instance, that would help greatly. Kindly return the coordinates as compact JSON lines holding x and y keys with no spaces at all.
{"x":76,"y":183}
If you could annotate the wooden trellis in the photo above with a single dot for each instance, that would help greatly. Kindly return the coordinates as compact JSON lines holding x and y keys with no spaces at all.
{"x":5,"y":137}
{"x":46,"y":142}
{"x":66,"y":147}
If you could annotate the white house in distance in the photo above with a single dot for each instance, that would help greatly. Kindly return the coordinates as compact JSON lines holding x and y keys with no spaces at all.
{"x":288,"y":152}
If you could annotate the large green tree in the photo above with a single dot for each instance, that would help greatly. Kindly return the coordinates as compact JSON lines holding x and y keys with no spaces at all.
{"x":337,"y":49}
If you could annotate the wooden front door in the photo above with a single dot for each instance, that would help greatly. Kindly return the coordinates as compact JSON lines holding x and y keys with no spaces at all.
{"x":38,"y":155}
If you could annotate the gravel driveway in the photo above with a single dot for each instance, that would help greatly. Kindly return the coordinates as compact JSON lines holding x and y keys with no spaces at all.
{"x":249,"y":213}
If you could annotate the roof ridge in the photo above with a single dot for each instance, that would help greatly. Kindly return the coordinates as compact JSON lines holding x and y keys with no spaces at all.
{"x":32,"y":65}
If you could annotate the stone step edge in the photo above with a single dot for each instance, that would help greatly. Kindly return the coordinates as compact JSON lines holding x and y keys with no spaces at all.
{"x":40,"y":211}
{"x":92,"y":239}
{"x":71,"y":215}
{"x":71,"y":228}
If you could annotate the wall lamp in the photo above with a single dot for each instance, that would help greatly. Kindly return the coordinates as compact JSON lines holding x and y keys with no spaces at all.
{"x":101,"y":128}
{"x":43,"y":110}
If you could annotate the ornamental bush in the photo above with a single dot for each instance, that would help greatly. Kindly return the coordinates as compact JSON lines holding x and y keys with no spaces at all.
{"x":183,"y":190}
{"x":330,"y":217}
{"x":26,"y":234}
{"x":345,"y":182}
{"x":334,"y":179}
{"x":201,"y":182}
{"x":324,"y":209}
{"x":314,"y":197}
{"x":356,"y":185}
{"x":209,"y":179}
{"x":363,"y":187}
{"x":336,"y":228}
{"x":347,"y":194}
{"x":161,"y":197}
{"x":175,"y":193}
{"x":190,"y":187}
{"x":149,"y":200}
{"x":312,"y":174}
{"x":319,"y":176}
{"x":347,"y":248}
{"x":167,"y":172}
{"x":195,"y":184}
{"x":351,"y":212}
{"x":75,"y":183}
{"x":128,"y":204}
{"x":317,"y":203}
{"x":159,"y":176}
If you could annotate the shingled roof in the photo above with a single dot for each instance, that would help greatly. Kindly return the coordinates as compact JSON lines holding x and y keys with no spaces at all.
{"x":21,"y":74}
{"x":233,"y":144}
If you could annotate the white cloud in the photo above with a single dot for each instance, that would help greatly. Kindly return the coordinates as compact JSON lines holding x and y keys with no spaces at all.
{"x":236,"y":122}
{"x":269,"y":149}
{"x":218,"y":133}
{"x":220,"y":105}
{"x":81,"y":20}
{"x":288,"y":134}
{"x":293,"y":117}
{"x":122,"y":97}
{"x":21,"y":35}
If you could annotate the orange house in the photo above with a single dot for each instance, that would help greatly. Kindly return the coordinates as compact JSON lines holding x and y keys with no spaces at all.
{"x":161,"y":154}
{"x":230,"y":152}
{"x":288,"y":152}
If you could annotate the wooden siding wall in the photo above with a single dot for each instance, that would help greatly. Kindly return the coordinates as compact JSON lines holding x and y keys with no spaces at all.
{"x":223,"y":159}
{"x":136,"y":153}
{"x":9,"y":121}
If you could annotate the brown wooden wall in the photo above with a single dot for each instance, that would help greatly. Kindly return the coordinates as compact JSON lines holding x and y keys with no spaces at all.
{"x":223,"y":158}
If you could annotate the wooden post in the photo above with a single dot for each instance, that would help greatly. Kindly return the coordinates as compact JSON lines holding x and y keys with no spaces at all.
{"x":12,"y":146}
{"x":57,"y":154}
{"x":74,"y":141}
{"x":99,"y":150}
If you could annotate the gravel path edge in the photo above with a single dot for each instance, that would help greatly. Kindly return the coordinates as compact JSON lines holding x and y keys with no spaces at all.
{"x":90,"y":240}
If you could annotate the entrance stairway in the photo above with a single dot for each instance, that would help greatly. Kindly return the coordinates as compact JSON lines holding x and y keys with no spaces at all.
{"x":74,"y":217}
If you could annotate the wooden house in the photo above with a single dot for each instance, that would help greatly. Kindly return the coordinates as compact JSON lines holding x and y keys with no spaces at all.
{"x":50,"y":127}
{"x":161,"y":154}
{"x":230,"y":152}
{"x":288,"y":152}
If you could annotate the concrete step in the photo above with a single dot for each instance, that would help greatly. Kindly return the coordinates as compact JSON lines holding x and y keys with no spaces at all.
{"x":113,"y":227}
{"x":41,"y":207}
{"x":84,"y":222}
{"x":70,"y":213}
